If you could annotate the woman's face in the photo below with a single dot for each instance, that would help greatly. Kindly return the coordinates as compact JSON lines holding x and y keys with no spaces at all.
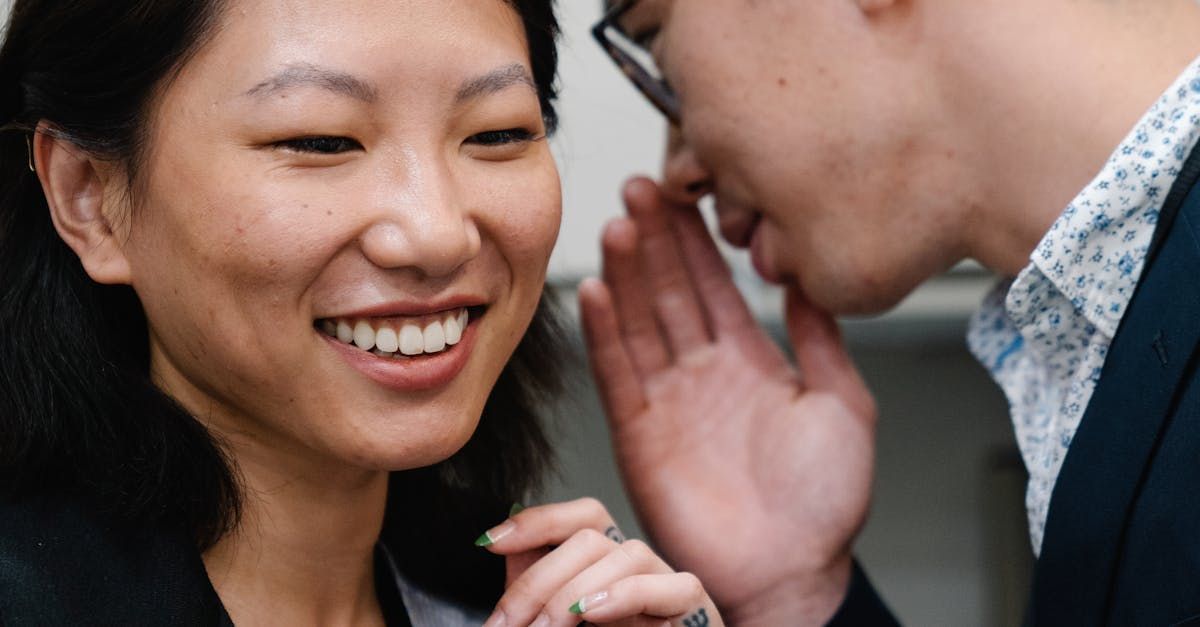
{"x":369,"y":169}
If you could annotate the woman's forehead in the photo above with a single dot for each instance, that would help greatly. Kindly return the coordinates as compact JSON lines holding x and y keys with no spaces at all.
{"x":350,"y":44}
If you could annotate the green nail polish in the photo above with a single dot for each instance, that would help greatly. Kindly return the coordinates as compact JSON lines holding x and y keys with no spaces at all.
{"x":589,"y":603}
{"x":517,"y":508}
{"x":496,"y":534}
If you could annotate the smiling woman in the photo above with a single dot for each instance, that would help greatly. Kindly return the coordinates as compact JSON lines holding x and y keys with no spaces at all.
{"x":271,"y":281}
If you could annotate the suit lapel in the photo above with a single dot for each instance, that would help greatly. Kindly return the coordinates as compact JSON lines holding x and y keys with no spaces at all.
{"x":1101,"y":475}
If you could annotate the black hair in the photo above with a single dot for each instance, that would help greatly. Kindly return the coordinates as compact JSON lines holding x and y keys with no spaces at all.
{"x":79,"y":416}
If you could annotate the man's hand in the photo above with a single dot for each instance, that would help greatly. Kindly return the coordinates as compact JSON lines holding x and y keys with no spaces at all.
{"x":751,"y":473}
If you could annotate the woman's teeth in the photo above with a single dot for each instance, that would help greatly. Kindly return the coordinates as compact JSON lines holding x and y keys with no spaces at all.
{"x":400,"y":337}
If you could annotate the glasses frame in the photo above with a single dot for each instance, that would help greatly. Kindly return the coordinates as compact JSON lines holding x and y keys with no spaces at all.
{"x":655,"y":90}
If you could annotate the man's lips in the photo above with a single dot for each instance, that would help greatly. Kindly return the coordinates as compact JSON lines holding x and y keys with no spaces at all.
{"x":738,"y":227}
{"x":743,"y":229}
{"x":759,"y":259}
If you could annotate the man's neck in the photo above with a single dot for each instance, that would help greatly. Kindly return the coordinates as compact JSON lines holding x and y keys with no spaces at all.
{"x":1047,"y":92}
{"x":303,"y":552}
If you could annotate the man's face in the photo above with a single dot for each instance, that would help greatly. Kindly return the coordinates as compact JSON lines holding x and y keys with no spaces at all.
{"x":818,"y":128}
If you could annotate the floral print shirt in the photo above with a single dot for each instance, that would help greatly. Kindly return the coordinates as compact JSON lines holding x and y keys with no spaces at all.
{"x":1044,"y":335}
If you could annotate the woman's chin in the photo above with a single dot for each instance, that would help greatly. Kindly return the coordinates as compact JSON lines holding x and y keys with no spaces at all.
{"x":418,"y":450}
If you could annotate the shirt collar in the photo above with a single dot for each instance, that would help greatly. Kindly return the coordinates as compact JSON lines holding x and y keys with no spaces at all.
{"x":1095,"y":251}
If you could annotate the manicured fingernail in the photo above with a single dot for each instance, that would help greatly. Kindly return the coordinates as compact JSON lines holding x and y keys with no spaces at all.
{"x":589,"y":603}
{"x":495,"y":534}
{"x":497,"y":619}
{"x":541,"y":621}
{"x":517,"y":508}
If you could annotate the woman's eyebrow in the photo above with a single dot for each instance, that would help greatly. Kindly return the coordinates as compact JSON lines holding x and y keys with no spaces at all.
{"x":312,"y":75}
{"x":497,"y":80}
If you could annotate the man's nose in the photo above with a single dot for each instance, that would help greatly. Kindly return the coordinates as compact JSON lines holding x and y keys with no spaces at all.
{"x":685,"y":181}
{"x":423,"y":225}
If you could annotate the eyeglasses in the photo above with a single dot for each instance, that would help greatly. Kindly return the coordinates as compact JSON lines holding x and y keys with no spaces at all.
{"x":635,"y":61}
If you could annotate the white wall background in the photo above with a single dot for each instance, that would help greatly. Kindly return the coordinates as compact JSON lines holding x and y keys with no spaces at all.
{"x":608,"y":132}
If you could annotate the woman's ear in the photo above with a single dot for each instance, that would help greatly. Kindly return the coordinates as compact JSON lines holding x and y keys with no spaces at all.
{"x":75,"y":188}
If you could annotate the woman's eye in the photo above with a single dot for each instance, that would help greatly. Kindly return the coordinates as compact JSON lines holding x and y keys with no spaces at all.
{"x":320,"y":145}
{"x":500,"y":138}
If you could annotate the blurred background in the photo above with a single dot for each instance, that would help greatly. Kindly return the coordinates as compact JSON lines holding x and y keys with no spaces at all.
{"x":946,"y":542}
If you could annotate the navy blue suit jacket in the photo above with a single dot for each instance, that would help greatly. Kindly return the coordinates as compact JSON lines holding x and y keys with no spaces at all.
{"x":1122,"y":541}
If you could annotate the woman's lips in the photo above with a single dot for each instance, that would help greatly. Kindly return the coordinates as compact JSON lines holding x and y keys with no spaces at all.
{"x":404,"y":373}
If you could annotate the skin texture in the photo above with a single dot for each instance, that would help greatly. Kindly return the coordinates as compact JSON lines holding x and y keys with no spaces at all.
{"x":858,"y":147}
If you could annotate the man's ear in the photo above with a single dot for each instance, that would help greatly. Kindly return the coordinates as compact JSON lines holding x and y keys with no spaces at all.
{"x":82,"y":211}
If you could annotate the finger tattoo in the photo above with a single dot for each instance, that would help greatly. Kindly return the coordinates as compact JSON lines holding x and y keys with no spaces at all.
{"x":698,"y":619}
{"x":615,"y":534}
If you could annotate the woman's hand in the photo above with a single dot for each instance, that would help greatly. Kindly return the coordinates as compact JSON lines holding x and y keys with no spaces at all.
{"x":744,"y":469}
{"x":568,"y":563}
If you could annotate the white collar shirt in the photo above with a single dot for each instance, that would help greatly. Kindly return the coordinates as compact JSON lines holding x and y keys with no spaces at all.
{"x":1044,"y":335}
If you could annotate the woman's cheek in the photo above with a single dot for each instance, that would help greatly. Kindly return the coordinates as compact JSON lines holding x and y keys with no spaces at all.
{"x":533,"y":223}
{"x":542,"y":235}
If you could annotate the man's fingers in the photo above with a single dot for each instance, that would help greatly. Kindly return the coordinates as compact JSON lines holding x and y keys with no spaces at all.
{"x":632,"y":297}
{"x":824,"y":363}
{"x":675,"y":299}
{"x":714,"y":282}
{"x":620,"y":387}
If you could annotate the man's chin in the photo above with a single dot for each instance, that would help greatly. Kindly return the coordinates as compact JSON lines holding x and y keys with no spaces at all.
{"x":845,"y":299}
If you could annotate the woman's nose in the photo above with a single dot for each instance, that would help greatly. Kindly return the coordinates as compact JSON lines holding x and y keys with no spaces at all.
{"x":426,"y":227}
{"x":685,"y":181}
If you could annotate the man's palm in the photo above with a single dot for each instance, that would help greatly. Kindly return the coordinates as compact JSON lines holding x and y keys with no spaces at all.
{"x":744,"y":470}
